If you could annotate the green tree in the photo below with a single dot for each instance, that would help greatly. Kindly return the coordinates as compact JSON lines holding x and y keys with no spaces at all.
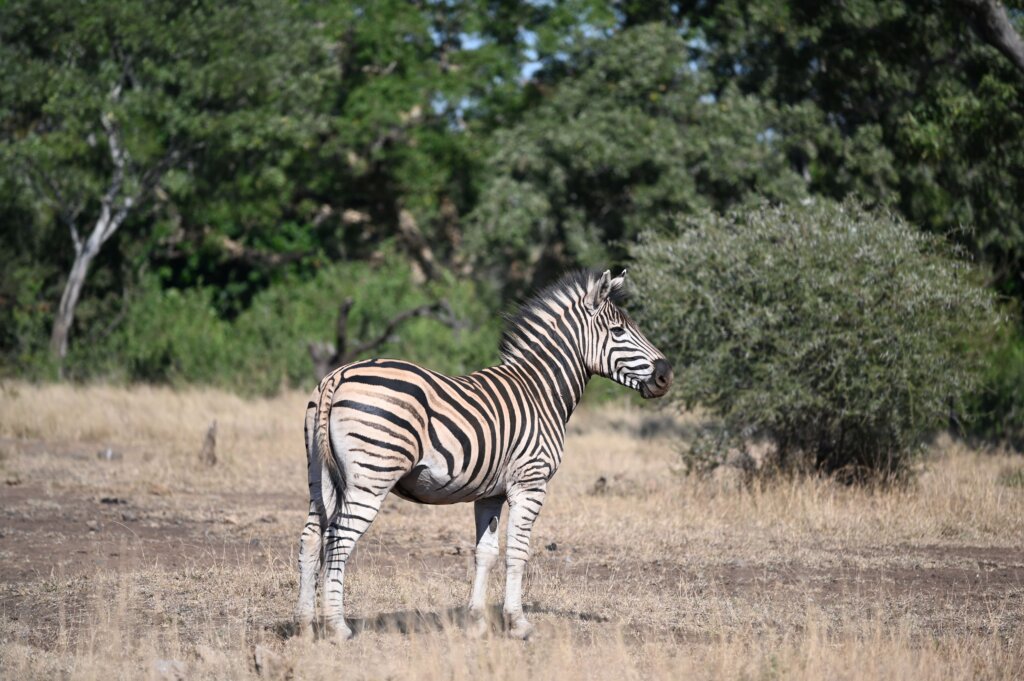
{"x":422,"y":88}
{"x":628,"y":140}
{"x":920,"y":110}
{"x":113,"y":102}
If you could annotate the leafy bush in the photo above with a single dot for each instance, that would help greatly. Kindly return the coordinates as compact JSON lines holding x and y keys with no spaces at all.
{"x":176,"y":336}
{"x":282,"y":320}
{"x":167,"y":336}
{"x":25,"y":318}
{"x":844,"y":336}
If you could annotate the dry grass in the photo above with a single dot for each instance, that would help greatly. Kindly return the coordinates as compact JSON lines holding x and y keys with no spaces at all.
{"x":159,"y":432}
{"x":649,"y":574}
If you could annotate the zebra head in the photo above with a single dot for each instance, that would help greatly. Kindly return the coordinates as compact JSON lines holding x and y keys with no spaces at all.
{"x":618,"y":349}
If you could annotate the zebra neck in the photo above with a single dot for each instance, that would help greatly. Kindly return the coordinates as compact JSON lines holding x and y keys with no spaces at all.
{"x":554,"y":382}
{"x":544,"y":344}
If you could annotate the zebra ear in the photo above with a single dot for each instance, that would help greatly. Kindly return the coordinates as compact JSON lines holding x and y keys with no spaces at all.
{"x":598,"y":293}
{"x":619,"y":282}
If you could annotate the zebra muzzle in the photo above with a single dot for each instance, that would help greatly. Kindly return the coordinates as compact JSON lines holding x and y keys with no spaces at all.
{"x":660,"y":380}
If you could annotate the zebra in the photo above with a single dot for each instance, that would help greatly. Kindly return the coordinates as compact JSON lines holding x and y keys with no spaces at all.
{"x":494,"y":437}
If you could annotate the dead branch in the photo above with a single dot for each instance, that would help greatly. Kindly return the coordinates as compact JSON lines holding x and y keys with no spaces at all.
{"x":439,"y":311}
{"x":254,"y":256}
{"x":327,"y":356}
{"x":425,"y":266}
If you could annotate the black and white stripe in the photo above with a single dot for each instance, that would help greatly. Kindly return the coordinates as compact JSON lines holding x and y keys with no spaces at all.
{"x":493,"y":437}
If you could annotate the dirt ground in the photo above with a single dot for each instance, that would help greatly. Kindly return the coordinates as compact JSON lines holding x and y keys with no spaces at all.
{"x":194,"y":565}
{"x":74,"y":534}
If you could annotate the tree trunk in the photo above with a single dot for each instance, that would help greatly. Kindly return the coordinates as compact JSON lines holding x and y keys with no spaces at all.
{"x":85,"y":252}
{"x":68,"y":302}
{"x":115,"y":204}
{"x":996,"y":28}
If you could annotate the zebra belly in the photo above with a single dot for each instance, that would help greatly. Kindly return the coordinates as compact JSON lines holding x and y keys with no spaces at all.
{"x":425,"y":485}
{"x":428,"y":484}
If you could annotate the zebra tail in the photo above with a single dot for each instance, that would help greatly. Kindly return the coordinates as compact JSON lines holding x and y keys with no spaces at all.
{"x":324,"y":448}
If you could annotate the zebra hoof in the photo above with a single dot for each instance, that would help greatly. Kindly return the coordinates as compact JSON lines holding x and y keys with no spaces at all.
{"x":304,"y":629}
{"x":338,"y":634}
{"x":521,"y":629}
{"x":478,"y":626}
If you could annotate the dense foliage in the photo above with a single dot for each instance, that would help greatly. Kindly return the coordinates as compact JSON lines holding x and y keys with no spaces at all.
{"x":997,"y":409}
{"x":622,"y":146}
{"x":176,"y":336}
{"x":842,"y":335}
{"x":260,"y":149}
{"x":905,"y":105}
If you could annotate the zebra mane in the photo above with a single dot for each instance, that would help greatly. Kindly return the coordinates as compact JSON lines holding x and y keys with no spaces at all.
{"x":573,"y":285}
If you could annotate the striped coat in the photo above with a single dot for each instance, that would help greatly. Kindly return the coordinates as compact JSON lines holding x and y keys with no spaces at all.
{"x":494,"y":437}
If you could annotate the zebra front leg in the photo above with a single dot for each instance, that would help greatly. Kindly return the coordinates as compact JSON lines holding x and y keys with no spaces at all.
{"x":488,"y":514}
{"x":524,"y":507}
{"x":343,"y":531}
{"x":310,"y":543}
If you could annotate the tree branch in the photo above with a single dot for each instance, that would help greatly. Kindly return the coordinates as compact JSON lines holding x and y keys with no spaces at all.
{"x":114,"y":205}
{"x":327,"y":356}
{"x":151,"y":178}
{"x":993,"y":24}
{"x":440,"y":311}
{"x":341,"y":328}
{"x":76,"y":239}
{"x":111,"y":215}
{"x":254,"y":256}
{"x":423,"y":256}
{"x":49,"y":192}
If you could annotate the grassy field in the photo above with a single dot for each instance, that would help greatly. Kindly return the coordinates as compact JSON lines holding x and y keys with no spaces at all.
{"x":122,"y":555}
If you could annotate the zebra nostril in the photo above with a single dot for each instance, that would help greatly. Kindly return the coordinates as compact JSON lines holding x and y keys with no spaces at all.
{"x":662,"y":373}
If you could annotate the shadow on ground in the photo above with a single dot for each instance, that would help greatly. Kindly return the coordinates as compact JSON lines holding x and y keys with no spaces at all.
{"x":420,"y":621}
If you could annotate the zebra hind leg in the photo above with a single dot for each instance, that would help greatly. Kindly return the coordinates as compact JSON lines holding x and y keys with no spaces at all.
{"x":488,"y":514}
{"x":343,"y":531}
{"x":310,"y":543}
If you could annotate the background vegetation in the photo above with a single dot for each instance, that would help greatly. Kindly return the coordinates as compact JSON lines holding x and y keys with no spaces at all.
{"x":187,"y":189}
{"x":842,"y":336}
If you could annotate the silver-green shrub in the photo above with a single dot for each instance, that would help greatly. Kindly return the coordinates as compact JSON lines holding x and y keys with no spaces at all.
{"x":845,"y":336}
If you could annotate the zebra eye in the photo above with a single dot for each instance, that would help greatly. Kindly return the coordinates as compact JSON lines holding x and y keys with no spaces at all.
{"x":618,"y":331}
